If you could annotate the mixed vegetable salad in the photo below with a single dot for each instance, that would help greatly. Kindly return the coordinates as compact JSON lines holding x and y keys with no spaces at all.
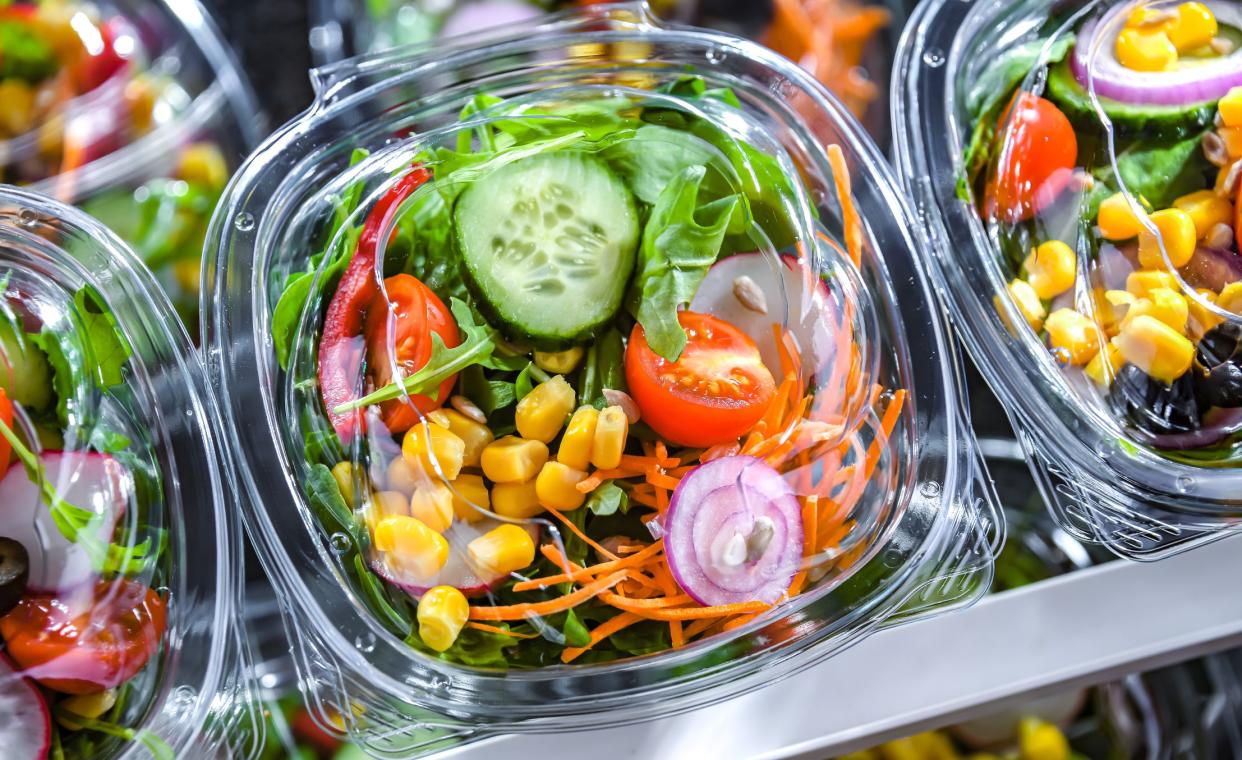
{"x":82,"y":547}
{"x":72,"y":87}
{"x":573,"y":383}
{"x":1106,"y":158}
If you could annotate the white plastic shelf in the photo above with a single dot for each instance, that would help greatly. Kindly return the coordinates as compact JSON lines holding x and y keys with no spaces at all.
{"x":1088,"y":627}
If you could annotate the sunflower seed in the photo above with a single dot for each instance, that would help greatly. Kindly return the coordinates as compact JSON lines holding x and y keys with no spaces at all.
{"x":622,"y":399}
{"x":468,"y":408}
{"x":1215,"y":150}
{"x":1222,"y":45}
{"x":1230,"y":185}
{"x":749,"y":295}
{"x":1220,"y":236}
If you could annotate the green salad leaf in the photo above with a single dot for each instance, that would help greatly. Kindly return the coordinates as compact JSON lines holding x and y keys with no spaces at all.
{"x":603,"y":368}
{"x":608,"y":499}
{"x":1160,"y":171}
{"x":27,"y":56}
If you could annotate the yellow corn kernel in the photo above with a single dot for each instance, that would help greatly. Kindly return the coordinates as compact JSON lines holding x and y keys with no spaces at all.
{"x":1142,"y":282}
{"x":203,"y":164}
{"x":1117,"y":219}
{"x":517,"y":501}
{"x":475,"y":435}
{"x":1025,"y":298}
{"x":1104,"y":365}
{"x":188,"y":274}
{"x":1202,"y":318}
{"x":502,"y":550}
{"x":1206,"y":209}
{"x":512,"y":459}
{"x":1156,"y":348}
{"x":1194,"y":27}
{"x":435,"y":449}
{"x":343,"y":473}
{"x":469,"y":492}
{"x":1222,"y":179}
{"x":18,"y":114}
{"x":386,"y":504}
{"x":541,"y":413}
{"x":556,"y":486}
{"x":1051,"y":269}
{"x":433,"y":504}
{"x":559,"y":362}
{"x":1230,"y":108}
{"x":400,"y":476}
{"x":611,"y":430}
{"x":84,"y":706}
{"x":1040,"y":740}
{"x":1165,"y":304}
{"x":442,"y":613}
{"x":1230,"y":298}
{"x":1145,"y":50}
{"x":1148,"y":16}
{"x":1073,"y":333}
{"x":1177,"y":231}
{"x":409,"y":545}
{"x":575,"y":450}
{"x":1108,"y":313}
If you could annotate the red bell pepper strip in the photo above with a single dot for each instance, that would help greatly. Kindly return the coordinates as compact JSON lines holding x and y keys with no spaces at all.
{"x":341,"y":346}
{"x":6,"y":416}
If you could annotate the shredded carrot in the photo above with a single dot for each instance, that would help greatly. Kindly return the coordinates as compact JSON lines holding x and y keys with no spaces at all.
{"x":891,"y":412}
{"x":560,"y":604}
{"x":661,"y":500}
{"x":601,"y":632}
{"x":739,"y":621}
{"x":652,"y":604}
{"x":501,"y":631}
{"x":680,"y":613}
{"x":661,"y":480}
{"x":696,"y":627}
{"x":795,"y":586}
{"x":638,"y":464}
{"x":720,"y":450}
{"x":581,"y":573}
{"x":582,"y":534}
{"x":849,"y":214}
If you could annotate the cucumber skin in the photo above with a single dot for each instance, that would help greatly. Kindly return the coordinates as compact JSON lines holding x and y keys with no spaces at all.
{"x":1166,"y":122}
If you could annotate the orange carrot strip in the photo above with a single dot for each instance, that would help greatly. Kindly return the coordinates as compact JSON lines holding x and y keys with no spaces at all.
{"x":661,"y":501}
{"x":644,"y":498}
{"x":637,"y":463}
{"x":849,"y":214}
{"x":581,"y":573}
{"x":720,"y":450}
{"x":661,"y":480}
{"x":739,"y":621}
{"x":501,"y":631}
{"x":560,"y":604}
{"x":795,"y":586}
{"x":697,"y":627}
{"x":601,"y":632}
{"x":581,"y":534}
{"x":810,"y":524}
{"x":889,"y":421}
{"x":680,"y":613}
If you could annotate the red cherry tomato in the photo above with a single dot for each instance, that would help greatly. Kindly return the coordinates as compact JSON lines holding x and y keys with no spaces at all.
{"x":416,"y":312}
{"x":87,"y":642}
{"x":6,"y":416}
{"x":100,"y":64}
{"x":1038,"y":153}
{"x":716,"y":390}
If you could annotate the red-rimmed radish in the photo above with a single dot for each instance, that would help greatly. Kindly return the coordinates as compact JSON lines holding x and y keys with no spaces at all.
{"x":25,"y":722}
{"x":457,"y":571}
{"x":790,"y":295}
{"x":733,"y":532}
{"x":94,"y":482}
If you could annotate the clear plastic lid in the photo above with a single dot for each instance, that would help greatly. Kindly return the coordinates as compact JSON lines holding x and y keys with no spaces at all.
{"x":498,"y":479}
{"x":1084,"y":200}
{"x":119,"y":552}
{"x":847,"y":44}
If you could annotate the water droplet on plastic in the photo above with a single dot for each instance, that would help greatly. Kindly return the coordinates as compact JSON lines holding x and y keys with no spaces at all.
{"x":439,"y":683}
{"x":163,"y":591}
{"x":1061,"y":356}
{"x":930,"y":489}
{"x":365,"y":642}
{"x":244,"y":221}
{"x":1103,"y":452}
{"x":716,"y":55}
{"x":934,"y":57}
{"x":183,"y":698}
{"x":28,"y":218}
{"x":1185,"y":483}
{"x":340,"y":542}
{"x":891,"y":558}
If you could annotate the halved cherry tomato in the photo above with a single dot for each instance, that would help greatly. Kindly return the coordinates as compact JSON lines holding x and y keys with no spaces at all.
{"x":415,"y":313}
{"x":80,"y":643}
{"x":6,"y":416}
{"x":100,"y":64}
{"x":1038,"y":153}
{"x":716,"y":390}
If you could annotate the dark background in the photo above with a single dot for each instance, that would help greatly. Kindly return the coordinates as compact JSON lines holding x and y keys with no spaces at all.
{"x":271,"y":37}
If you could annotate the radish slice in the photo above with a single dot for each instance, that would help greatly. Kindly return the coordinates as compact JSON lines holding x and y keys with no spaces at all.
{"x":94,"y":482}
{"x":794,"y":297}
{"x":25,"y":723}
{"x":733,"y":532}
{"x":475,"y":17}
{"x":457,"y":570}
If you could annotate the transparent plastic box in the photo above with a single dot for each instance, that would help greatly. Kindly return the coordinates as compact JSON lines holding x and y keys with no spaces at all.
{"x":106,"y":397}
{"x":1146,"y":483}
{"x":924,"y":535}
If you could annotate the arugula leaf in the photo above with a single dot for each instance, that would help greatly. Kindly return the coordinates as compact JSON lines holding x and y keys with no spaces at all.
{"x":576,"y":634}
{"x":489,"y":395}
{"x":1159,"y":171}
{"x":655,"y":156}
{"x":399,"y":619}
{"x":480,"y":649}
{"x":324,"y":494}
{"x":676,"y":251}
{"x":524,"y":384}
{"x":603,"y":368}
{"x":155,"y":745}
{"x":608,"y":499}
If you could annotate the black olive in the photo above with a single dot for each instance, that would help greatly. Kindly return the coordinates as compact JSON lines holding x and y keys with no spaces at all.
{"x":1152,"y":406}
{"x":1218,"y":366}
{"x":14,"y":570}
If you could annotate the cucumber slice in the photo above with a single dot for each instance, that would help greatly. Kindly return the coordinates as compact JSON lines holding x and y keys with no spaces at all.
{"x":1169,"y":122}
{"x":548,"y":244}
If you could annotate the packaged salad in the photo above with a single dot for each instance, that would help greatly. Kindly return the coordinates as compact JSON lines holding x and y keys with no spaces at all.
{"x":578,"y":382}
{"x":132,"y":110}
{"x":1082,"y":180}
{"x":119,"y":552}
{"x":846,"y":44}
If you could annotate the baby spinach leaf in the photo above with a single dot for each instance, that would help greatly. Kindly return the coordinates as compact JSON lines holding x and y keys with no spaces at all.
{"x":576,"y":634}
{"x":488,"y":394}
{"x":608,"y":499}
{"x":1159,"y":171}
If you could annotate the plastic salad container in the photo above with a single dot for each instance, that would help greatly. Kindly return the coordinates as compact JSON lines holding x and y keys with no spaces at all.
{"x":847,"y":44}
{"x":133,"y":110}
{"x":119,"y":551}
{"x":498,"y":480}
{"x":1082,"y":195}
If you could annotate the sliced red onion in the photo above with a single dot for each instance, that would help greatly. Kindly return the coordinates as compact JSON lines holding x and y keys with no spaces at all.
{"x":733,"y":532}
{"x":25,"y":723}
{"x":1212,"y":268}
{"x":94,"y":482}
{"x":1191,"y":83}
{"x":1218,"y":424}
{"x":475,"y":17}
{"x":790,"y":295}
{"x":457,"y":571}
